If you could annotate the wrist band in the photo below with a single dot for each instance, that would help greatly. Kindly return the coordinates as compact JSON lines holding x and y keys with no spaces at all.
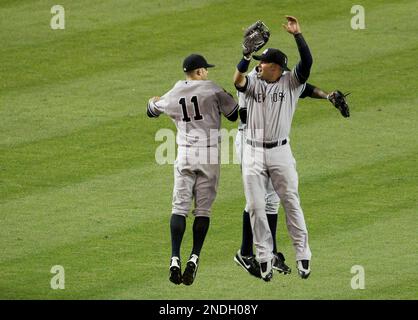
{"x":243,"y":65}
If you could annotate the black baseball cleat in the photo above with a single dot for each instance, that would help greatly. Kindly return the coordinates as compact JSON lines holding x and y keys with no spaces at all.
{"x":248,"y":263}
{"x":279,"y":263}
{"x":303,"y":268}
{"x":191,"y":268}
{"x":266,"y":270}
{"x":175,"y":270}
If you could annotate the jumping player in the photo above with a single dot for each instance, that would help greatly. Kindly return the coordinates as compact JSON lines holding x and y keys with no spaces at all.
{"x":245,"y":256}
{"x":271,"y":100}
{"x":195,"y":105}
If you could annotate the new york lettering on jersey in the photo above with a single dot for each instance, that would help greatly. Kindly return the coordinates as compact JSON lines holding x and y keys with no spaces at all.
{"x":274,"y":97}
{"x":271,"y":106}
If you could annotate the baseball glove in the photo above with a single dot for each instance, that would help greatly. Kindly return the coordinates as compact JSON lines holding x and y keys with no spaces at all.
{"x":337,"y":98}
{"x":255,"y":37}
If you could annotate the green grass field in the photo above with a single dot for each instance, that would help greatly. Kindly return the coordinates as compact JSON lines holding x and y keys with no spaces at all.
{"x":79,"y":186}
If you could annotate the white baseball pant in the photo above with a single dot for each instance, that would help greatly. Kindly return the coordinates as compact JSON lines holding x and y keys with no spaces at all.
{"x":278,"y":164}
{"x":271,"y":197}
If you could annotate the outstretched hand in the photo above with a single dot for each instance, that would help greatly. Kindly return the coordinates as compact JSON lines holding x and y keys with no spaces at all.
{"x":292,"y":25}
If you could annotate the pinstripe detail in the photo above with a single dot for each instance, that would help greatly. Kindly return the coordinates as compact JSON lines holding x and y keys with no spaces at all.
{"x":150,"y":110}
{"x":235,"y":109}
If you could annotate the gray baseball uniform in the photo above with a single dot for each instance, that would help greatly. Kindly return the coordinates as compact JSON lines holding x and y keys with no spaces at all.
{"x":195,"y":106}
{"x":267,"y":154}
{"x":272,"y":199}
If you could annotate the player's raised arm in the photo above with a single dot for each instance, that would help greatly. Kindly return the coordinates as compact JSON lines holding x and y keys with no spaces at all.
{"x":303,"y":68}
{"x":255,"y":37}
{"x":240,"y":80}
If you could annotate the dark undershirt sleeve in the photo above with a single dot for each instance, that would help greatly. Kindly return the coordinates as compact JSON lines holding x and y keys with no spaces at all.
{"x":243,"y":115}
{"x":308,"y":91}
{"x":303,"y":68}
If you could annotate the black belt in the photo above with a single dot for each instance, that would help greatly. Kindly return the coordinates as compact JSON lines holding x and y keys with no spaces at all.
{"x":266,"y":145}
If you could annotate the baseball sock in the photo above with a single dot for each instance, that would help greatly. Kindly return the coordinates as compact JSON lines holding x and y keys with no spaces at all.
{"x":200,"y":229}
{"x":177,"y":227}
{"x":272,"y":220}
{"x":247,"y":235}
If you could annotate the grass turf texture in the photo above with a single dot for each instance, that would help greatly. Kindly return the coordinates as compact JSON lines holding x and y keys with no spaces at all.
{"x":80,"y":187}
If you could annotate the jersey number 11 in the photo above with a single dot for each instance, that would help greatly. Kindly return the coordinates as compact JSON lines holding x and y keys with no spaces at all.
{"x":186,"y":117}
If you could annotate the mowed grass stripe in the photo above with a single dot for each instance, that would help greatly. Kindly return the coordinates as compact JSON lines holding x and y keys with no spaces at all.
{"x":81,"y":16}
{"x":367,"y":89}
{"x":86,"y":212}
{"x":82,"y":112}
{"x":65,"y":160}
{"x":378,"y":246}
{"x":117,"y":267}
{"x":101,"y":48}
{"x":93,"y":208}
{"x":107,"y":204}
{"x":334,"y":257}
{"x":61,"y":108}
{"x":124,"y":45}
{"x":91,"y":105}
{"x":52,"y":112}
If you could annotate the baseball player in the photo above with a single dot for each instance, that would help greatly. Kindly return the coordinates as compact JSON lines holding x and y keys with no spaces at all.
{"x":244,"y":256}
{"x":271,"y":100}
{"x":195,"y":105}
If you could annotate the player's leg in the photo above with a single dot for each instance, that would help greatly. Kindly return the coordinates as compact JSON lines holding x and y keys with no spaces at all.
{"x":247,"y":234}
{"x":200,"y":229}
{"x":282,"y":166}
{"x":177,"y":228}
{"x":184,"y":180}
{"x":204,"y":191}
{"x":244,"y":257}
{"x":255,"y":181}
{"x":272,"y":204}
{"x":272,"y":207}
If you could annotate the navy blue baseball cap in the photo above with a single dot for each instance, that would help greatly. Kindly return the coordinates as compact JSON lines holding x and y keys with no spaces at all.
{"x":195,"y":61}
{"x":273,"y":55}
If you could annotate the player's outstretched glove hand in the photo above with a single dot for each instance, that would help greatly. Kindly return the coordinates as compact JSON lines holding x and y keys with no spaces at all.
{"x":337,"y":98}
{"x":255,"y":37}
